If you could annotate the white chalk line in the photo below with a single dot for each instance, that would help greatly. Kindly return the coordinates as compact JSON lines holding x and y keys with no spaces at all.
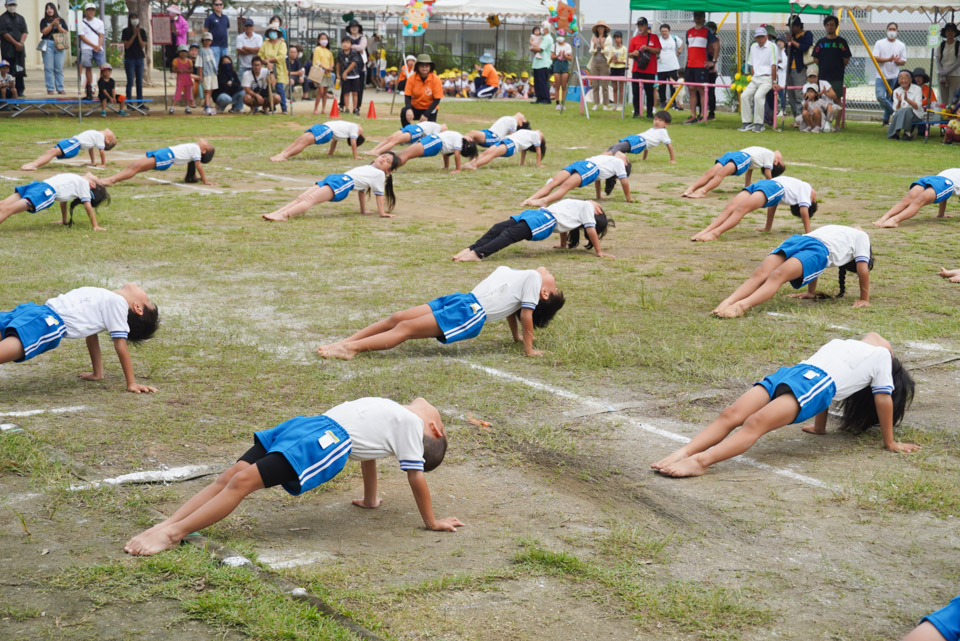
{"x":646,"y":427}
{"x":282,"y":562}
{"x":202,"y":190}
{"x":797,"y":318}
{"x":171,"y":475}
{"x":6,"y":427}
{"x":52,"y":410}
{"x":265,"y":175}
{"x":228,"y":192}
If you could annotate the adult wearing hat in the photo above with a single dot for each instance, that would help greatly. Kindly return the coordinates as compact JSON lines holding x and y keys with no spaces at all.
{"x":542,"y":63}
{"x":488,"y":82}
{"x":179,"y":30}
{"x":948,"y":62}
{"x":601,"y":46}
{"x":643,"y":50}
{"x":13,"y":33}
{"x":358,"y":42}
{"x":763,"y":68}
{"x":422,"y":93}
{"x":91,"y":36}
{"x":248,"y":46}
{"x":922,"y":80}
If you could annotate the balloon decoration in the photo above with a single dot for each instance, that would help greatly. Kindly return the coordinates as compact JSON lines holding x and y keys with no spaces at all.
{"x":740,"y":81}
{"x":564,"y":18}
{"x":417,"y":16}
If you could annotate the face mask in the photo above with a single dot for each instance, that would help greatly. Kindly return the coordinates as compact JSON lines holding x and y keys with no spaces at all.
{"x":892,"y":35}
{"x":272,"y":34}
{"x":135,"y":21}
{"x":324,"y":43}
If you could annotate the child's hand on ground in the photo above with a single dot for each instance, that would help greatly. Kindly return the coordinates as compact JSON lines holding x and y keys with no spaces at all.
{"x":861,"y":303}
{"x":362,"y":503}
{"x":99,"y":228}
{"x":812,"y":429}
{"x":449,"y":524}
{"x":904,"y":447}
{"x":673,"y":162}
{"x":207,"y":182}
{"x":763,"y":229}
{"x":605,"y":255}
{"x":90,"y":376}
{"x":137,"y":388}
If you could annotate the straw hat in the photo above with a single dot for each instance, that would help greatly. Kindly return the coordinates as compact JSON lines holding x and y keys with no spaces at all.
{"x":601,"y":23}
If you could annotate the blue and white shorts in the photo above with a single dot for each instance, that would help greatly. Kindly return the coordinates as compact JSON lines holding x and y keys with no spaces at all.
{"x":811,"y":386}
{"x":637,"y":143}
{"x":489,"y":138}
{"x":415,"y":131}
{"x":39,"y":195}
{"x":163,"y":157}
{"x":770,"y":188}
{"x":942,"y":186}
{"x":38,"y":327}
{"x":322,"y":134}
{"x":431,"y":145}
{"x":315,"y":446}
{"x":739,"y":159}
{"x":540,"y":221}
{"x":811,"y":253}
{"x":91,"y":58}
{"x":69,"y":147}
{"x":946,"y":620}
{"x":460,"y":316}
{"x":587,"y":170}
{"x":341,"y":184}
{"x":510,"y":145}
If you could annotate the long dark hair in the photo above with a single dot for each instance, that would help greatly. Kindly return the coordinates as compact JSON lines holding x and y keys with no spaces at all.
{"x":205,"y":157}
{"x":573,"y":236}
{"x":468,"y":148}
{"x":543,"y":148}
{"x":610,"y":183}
{"x":811,"y":210}
{"x":388,"y":185}
{"x":50,"y":5}
{"x":850,"y":267}
{"x":98,"y":196}
{"x":860,"y":409}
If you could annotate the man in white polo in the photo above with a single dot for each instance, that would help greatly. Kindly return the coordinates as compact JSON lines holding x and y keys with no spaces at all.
{"x":763,"y":68}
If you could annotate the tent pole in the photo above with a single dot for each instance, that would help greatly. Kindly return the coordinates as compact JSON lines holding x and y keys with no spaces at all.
{"x":869,"y":50}
{"x":739,"y":60}
{"x":720,"y":26}
{"x":926,"y":129}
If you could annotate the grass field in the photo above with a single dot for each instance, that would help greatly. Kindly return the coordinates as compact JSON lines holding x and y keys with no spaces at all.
{"x":569,"y":534}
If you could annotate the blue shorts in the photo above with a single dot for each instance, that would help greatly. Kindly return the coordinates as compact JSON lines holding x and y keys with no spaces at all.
{"x":431,"y":145}
{"x":489,"y":138}
{"x":947,"y":620}
{"x":811,"y":253}
{"x":164,"y":158}
{"x":415,"y":131}
{"x":39,"y":195}
{"x":811,"y":386}
{"x":770,"y":188}
{"x":69,"y":147}
{"x":460,"y":316}
{"x":540,"y":221}
{"x":315,"y":446}
{"x":637,"y":143}
{"x":739,"y":159}
{"x":587,"y":170}
{"x":341,"y":184}
{"x":942,"y":186}
{"x":91,"y":58}
{"x":321,"y":134}
{"x":39,"y":328}
{"x":510,"y":145}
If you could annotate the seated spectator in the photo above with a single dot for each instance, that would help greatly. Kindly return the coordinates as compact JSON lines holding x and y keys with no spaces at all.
{"x":229,"y":91}
{"x":922,"y":80}
{"x":907,"y":108}
{"x":509,"y":86}
{"x":763,"y":69}
{"x":8,"y":84}
{"x":106,"y":90}
{"x":819,"y":109}
{"x":390,"y":80}
{"x":464,"y":85}
{"x":523,"y":85}
{"x":488,"y":80}
{"x":257,"y":87}
{"x":449,"y":85}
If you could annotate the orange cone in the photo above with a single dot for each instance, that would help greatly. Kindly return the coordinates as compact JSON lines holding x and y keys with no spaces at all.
{"x":371,"y":112}
{"x":335,"y":110}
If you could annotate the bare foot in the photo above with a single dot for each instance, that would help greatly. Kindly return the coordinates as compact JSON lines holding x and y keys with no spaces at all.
{"x":527,"y":202}
{"x":673,"y":458}
{"x":697,"y":194}
{"x":275,"y":218}
{"x":539,"y":202}
{"x":28,"y":167}
{"x":689,"y":466}
{"x":948,"y":273}
{"x":732,"y":311}
{"x":705,"y":238}
{"x":890,"y":224}
{"x":470,"y":167}
{"x":955,"y":279}
{"x":469,"y":257}
{"x":151,"y":543}
{"x":362,"y":503}
{"x":460,"y":253}
{"x":878,"y":223}
{"x":278,"y":158}
{"x":386,"y":215}
{"x":336,"y":350}
{"x":370,"y":152}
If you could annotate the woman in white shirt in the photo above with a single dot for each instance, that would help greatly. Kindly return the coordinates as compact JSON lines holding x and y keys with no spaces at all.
{"x":668,"y":63}
{"x":907,"y":108}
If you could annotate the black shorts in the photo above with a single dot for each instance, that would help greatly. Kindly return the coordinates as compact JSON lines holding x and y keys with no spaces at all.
{"x":274,"y":467}
{"x":694,"y":74}
{"x":618,"y":72}
{"x":419,"y":113}
{"x":351,"y":85}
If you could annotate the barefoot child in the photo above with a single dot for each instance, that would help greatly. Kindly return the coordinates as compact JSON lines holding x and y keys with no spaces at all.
{"x":523,"y":140}
{"x":764,"y":193}
{"x":953,"y":275}
{"x":330,"y":131}
{"x":737,"y":163}
{"x":70,"y":147}
{"x":407,"y":136}
{"x":307,"y":451}
{"x":604,"y":167}
{"x":127,"y":313}
{"x":864,"y":374}
{"x":63,"y":188}
{"x":530,"y":295}
{"x":376,"y":177}
{"x":800,"y":260}
{"x":656,"y":135}
{"x":923,"y":191}
{"x":446,"y":143}
{"x":567,"y":217}
{"x":499,"y":130}
{"x":193,"y":154}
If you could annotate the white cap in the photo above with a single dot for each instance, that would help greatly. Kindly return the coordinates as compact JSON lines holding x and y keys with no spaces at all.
{"x":89,"y":5}
{"x":759,"y":31}
{"x":207,"y":36}
{"x":106,"y":65}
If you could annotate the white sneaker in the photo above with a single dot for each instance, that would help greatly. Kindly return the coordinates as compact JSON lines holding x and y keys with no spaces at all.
{"x":558,"y":107}
{"x":826,"y":126}
{"x":595,"y":107}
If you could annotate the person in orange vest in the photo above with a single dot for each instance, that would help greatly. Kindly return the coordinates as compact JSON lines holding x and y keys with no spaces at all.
{"x":422,"y":93}
{"x":488,"y":82}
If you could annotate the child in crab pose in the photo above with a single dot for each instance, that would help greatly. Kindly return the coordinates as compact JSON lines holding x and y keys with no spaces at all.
{"x":864,"y":374}
{"x":499,"y":130}
{"x":127,"y":313}
{"x":644,"y":142}
{"x":193,"y":154}
{"x":800,"y":260}
{"x":604,"y":167}
{"x":446,"y":143}
{"x":71,"y":147}
{"x":63,"y":188}
{"x":737,"y":163}
{"x":923,"y":191}
{"x":330,"y":131}
{"x":307,"y":451}
{"x":568,"y":217}
{"x":408,"y":135}
{"x":764,"y":193}
{"x":376,"y":177}
{"x":523,"y":140}
{"x":530,"y":295}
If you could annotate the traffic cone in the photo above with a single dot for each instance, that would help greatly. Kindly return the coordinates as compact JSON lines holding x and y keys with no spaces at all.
{"x":371,"y":112}
{"x":335,"y":109}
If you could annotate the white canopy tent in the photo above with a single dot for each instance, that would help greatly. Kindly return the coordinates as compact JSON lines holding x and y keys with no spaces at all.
{"x":881,"y":5}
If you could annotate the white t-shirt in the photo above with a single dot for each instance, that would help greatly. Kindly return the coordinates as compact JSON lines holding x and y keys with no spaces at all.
{"x":609,"y":166}
{"x":182,"y":154}
{"x":762,"y":58}
{"x":795,"y":192}
{"x":368,"y":177}
{"x":655,"y":136}
{"x":853,"y":365}
{"x":429,"y":128}
{"x":379,"y":427}
{"x":506,"y":290}
{"x":525,"y":138}
{"x":70,"y":186}
{"x":822,"y":85}
{"x":667,"y":59}
{"x":260,"y":82}
{"x":91,"y":32}
{"x":256,"y":40}
{"x":90,"y":310}
{"x":504,"y":126}
{"x":782,"y":61}
{"x":844,"y":244}
{"x":342,"y":130}
{"x":954,"y":175}
{"x":914,"y":93}
{"x":572,"y":214}
{"x":760,"y":157}
{"x":884,"y":48}
{"x":450,"y":141}
{"x":90,"y":138}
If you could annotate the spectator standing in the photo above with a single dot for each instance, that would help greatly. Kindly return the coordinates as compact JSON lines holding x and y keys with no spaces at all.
{"x":618,"y":67}
{"x":713,"y":59}
{"x":91,"y":45}
{"x":644,"y":48}
{"x":350,"y":73}
{"x":248,"y":46}
{"x":296,"y":72}
{"x":422,"y":93}
{"x":542,"y":63}
{"x":229,"y":91}
{"x":358,"y":42}
{"x":218,"y":25}
{"x":696,"y":70}
{"x":273,"y":52}
{"x":323,"y":58}
{"x":134,"y":39}
{"x":179,"y":28}
{"x":832,"y":55}
{"x":52,"y":24}
{"x":763,"y":68}
{"x":488,"y":81}
{"x":948,"y":62}
{"x":891,"y":53}
{"x":907,"y":108}
{"x":668,"y":64}
{"x":600,"y":46}
{"x":799,"y":44}
{"x":562,"y":54}
{"x":208,"y":65}
{"x":13,"y":33}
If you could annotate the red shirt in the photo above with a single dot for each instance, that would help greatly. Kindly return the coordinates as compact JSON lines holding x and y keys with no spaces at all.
{"x":697,"y":47}
{"x":638,"y":41}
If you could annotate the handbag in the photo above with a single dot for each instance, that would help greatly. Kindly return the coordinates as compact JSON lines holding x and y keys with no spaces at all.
{"x":61,"y":41}
{"x":808,"y":57}
{"x":316,"y":74}
{"x":644,"y":58}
